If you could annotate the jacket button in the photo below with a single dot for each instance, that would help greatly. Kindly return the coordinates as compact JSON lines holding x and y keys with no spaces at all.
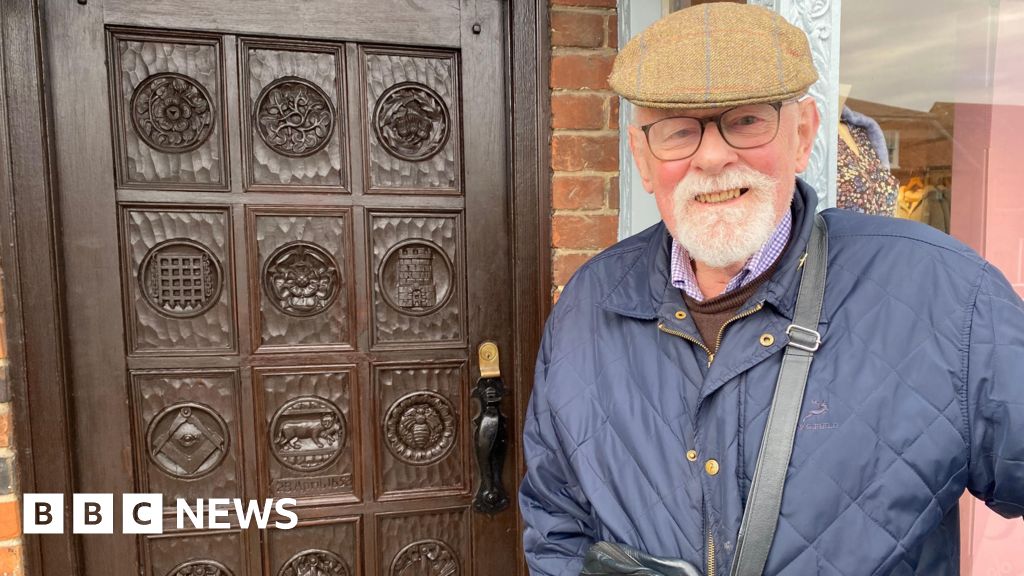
{"x":680,"y":315}
{"x":767,"y":339}
{"x":691,"y":455}
{"x":711,"y":467}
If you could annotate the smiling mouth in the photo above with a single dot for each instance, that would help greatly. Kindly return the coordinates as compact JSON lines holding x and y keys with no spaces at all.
{"x":724,"y":196}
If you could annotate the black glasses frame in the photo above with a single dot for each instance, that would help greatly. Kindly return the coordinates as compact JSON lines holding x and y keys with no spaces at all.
{"x":717,"y":119}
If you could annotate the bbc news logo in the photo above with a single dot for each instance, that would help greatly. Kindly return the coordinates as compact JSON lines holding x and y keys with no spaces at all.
{"x":143,"y":513}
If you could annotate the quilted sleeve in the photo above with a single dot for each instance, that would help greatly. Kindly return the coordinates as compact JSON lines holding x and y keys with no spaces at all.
{"x":555,"y":511}
{"x":995,"y":396}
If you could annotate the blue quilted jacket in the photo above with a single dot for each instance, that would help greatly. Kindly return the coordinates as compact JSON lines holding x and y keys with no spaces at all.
{"x":634,"y":435}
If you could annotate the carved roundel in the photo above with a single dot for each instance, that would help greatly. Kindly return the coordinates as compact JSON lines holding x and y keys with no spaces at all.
{"x":307,"y":433}
{"x":416,"y":277}
{"x":314,"y":563}
{"x":294,"y":117}
{"x":172,"y":113}
{"x":301,"y":279}
{"x":187,"y":440}
{"x":425,"y":558}
{"x":180,"y":278}
{"x":200,"y":568}
{"x":420,"y":428}
{"x":411,"y":121}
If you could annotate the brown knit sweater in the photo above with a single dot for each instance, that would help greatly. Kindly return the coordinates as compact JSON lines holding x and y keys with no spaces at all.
{"x":711,"y":314}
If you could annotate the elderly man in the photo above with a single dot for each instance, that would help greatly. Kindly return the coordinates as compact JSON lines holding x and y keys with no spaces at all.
{"x":659,"y":363}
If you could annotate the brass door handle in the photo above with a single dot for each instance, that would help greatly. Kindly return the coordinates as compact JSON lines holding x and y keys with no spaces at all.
{"x":489,"y":432}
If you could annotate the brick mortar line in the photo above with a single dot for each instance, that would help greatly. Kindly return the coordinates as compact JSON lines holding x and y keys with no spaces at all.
{"x":8,"y":498}
{"x":582,"y":213}
{"x":603,"y":10}
{"x":584,"y":91}
{"x":584,"y":132}
{"x":583,"y":51}
{"x":575,"y":252}
{"x":7,"y":452}
{"x":12,"y":543}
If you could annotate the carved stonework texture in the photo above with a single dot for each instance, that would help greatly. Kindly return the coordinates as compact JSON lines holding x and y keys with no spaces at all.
{"x":428,"y":543}
{"x":293,"y":121}
{"x":310,"y":433}
{"x":167,"y":94}
{"x":415,"y":283}
{"x":200,"y":568}
{"x":186,"y":427}
{"x":314,"y":563}
{"x":179,"y":291}
{"x":421,"y":414}
{"x":302,"y":278}
{"x":412,"y":111}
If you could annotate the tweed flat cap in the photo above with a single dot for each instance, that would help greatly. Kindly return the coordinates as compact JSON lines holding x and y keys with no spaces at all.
{"x":714,"y":55}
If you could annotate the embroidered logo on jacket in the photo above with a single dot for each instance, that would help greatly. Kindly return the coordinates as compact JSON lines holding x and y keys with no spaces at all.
{"x":814,"y":419}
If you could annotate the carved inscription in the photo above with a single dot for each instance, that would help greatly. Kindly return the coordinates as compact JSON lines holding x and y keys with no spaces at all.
{"x":314,"y":563}
{"x":425,"y":558}
{"x":187,"y":440}
{"x":420,"y":428}
{"x":308,"y":433}
{"x":294,"y":117}
{"x":411,"y":121}
{"x":172,"y":112}
{"x":180,"y":278}
{"x":200,"y":568}
{"x":301,"y":279}
{"x":416,"y":277}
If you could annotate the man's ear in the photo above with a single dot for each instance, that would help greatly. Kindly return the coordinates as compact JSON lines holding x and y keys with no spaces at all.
{"x":638,"y":148}
{"x":807,"y":130}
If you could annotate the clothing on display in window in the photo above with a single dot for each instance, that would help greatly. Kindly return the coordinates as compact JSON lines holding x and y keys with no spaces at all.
{"x":924,"y":203}
{"x":864,"y":183}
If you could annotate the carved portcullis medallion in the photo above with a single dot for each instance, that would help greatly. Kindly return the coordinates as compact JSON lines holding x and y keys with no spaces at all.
{"x":307,"y":433}
{"x":314,"y":563}
{"x":415,"y":277}
{"x":172,"y":113}
{"x":200,"y":568}
{"x":180,"y":278}
{"x":411,"y":121}
{"x":301,"y":279}
{"x":425,"y":558}
{"x":294,"y":117}
{"x":187,"y":440}
{"x":420,"y":428}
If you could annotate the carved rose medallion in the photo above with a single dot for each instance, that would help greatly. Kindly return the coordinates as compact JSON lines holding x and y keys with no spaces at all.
{"x":411,"y":121}
{"x":301,"y":279}
{"x":172,"y":113}
{"x":180,"y":278}
{"x":294,"y":117}
{"x":419,"y":428}
{"x":307,"y":433}
{"x":200,"y":568}
{"x":314,"y":563}
{"x":425,"y":558}
{"x":187,"y":440}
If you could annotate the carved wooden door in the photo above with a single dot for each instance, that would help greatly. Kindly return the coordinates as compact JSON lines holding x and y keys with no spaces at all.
{"x":285,"y":237}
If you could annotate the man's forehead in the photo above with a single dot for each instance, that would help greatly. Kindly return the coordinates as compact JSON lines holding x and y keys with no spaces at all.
{"x":647,"y":115}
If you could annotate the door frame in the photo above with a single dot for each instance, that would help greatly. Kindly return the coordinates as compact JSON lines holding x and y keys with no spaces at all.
{"x":31,"y":254}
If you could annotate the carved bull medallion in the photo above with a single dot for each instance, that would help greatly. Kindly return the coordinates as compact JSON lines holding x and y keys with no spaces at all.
{"x":307,"y":433}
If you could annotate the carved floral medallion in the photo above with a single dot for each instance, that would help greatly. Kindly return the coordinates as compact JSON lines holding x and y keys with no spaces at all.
{"x":172,"y":113}
{"x":294,"y":117}
{"x":180,"y":278}
{"x":187,"y":440}
{"x":420,"y":428}
{"x":200,"y":568}
{"x":411,"y":121}
{"x":307,"y":433}
{"x":314,"y":563}
{"x":425,"y":558}
{"x":301,"y":279}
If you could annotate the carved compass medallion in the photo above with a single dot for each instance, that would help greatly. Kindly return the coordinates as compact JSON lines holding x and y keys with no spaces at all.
{"x":420,"y":428}
{"x":301,"y":279}
{"x":307,"y":433}
{"x":415,"y":277}
{"x":314,"y":563}
{"x":200,"y":568}
{"x":411,"y":121}
{"x":172,"y":113}
{"x":294,"y":117}
{"x":180,"y":278}
{"x":425,"y":558}
{"x":187,"y":440}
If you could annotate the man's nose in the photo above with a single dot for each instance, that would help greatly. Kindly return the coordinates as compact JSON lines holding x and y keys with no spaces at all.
{"x":714,"y":152}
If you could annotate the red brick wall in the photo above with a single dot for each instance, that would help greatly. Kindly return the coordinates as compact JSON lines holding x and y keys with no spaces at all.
{"x":585,"y":134}
{"x":10,"y":525}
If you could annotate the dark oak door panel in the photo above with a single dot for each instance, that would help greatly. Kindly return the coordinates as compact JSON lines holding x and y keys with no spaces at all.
{"x":286,"y":233}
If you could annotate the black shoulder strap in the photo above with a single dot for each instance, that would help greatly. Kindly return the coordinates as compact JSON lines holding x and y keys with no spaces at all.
{"x":761,"y":516}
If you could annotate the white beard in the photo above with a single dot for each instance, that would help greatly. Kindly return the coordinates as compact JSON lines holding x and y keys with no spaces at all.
{"x":718,"y":236}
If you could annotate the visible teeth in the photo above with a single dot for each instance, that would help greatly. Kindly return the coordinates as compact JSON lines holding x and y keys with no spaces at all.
{"x":716,"y":197}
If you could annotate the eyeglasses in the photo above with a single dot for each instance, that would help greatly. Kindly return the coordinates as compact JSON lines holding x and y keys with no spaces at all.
{"x":741,"y":127}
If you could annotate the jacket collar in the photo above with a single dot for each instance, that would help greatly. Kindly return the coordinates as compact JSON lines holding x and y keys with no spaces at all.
{"x":646,"y":286}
